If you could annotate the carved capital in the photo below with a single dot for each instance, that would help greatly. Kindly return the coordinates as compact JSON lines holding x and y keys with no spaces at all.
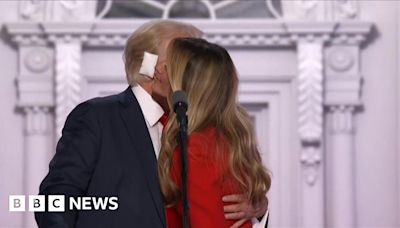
{"x":341,"y":119}
{"x":37,"y":120}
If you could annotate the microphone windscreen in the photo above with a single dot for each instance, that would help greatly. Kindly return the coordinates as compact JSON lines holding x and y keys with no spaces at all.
{"x":179,"y":96}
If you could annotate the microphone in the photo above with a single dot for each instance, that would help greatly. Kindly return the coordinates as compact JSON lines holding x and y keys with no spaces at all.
{"x":180,"y":105}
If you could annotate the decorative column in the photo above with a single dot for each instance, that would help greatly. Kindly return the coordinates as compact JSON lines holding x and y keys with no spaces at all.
{"x":37,"y":145}
{"x":343,"y":87}
{"x":35,"y":101}
{"x":340,"y":181}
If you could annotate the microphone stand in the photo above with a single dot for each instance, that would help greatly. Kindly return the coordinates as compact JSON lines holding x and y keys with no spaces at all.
{"x":182,"y":140}
{"x":180,"y":104}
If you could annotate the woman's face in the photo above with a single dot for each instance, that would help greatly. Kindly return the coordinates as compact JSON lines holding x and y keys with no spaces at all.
{"x":161,"y":85}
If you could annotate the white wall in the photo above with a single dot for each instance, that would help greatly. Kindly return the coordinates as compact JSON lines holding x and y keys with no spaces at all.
{"x":377,"y":162}
{"x":11,"y":123}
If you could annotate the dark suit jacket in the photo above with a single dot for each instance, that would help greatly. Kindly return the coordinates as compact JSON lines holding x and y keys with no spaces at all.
{"x":105,"y":150}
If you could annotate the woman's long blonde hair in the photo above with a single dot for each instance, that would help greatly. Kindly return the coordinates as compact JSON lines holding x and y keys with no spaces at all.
{"x":206,"y":73}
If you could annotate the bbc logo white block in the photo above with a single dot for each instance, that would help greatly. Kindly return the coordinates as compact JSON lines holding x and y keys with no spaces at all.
{"x":16,"y":203}
{"x":37,"y":203}
{"x":56,"y":203}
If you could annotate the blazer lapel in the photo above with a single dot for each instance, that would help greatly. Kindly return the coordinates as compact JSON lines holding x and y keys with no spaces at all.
{"x":136,"y":126}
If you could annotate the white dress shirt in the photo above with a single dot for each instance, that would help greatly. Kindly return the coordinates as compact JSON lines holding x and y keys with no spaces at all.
{"x":152,"y":113}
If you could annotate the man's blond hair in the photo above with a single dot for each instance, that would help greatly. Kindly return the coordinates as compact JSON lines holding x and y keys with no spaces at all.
{"x":149,"y":37}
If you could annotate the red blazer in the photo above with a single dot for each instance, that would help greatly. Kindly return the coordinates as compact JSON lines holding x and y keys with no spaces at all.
{"x":208,"y":180}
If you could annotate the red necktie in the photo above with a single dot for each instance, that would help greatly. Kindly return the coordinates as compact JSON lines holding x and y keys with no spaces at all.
{"x":163,"y":119}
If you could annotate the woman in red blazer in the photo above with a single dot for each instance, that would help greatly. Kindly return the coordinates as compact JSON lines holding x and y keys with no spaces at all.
{"x":222,"y":152}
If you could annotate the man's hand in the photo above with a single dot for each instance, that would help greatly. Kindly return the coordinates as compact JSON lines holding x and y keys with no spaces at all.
{"x":239,"y":208}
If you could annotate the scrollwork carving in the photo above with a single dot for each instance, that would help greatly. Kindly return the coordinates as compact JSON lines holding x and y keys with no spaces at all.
{"x":68,"y":80}
{"x":310,"y":91}
{"x":311,"y":160}
{"x":310,"y":109}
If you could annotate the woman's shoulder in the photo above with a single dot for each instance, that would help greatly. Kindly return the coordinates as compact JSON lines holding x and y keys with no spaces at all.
{"x":202,"y":136}
{"x":204,"y":143}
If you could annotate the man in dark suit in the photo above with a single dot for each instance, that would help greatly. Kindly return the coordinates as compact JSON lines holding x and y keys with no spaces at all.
{"x":109,"y":147}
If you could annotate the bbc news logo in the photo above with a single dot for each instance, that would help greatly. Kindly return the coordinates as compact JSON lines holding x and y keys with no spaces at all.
{"x":56,"y":203}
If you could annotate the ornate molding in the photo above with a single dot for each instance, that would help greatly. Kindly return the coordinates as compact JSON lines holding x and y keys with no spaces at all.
{"x":67,"y":38}
{"x":37,"y":60}
{"x":34,"y":80}
{"x":310,"y":109}
{"x":342,"y":75}
{"x":349,"y":39}
{"x":340,"y":59}
{"x":310,"y":91}
{"x":249,"y":39}
{"x":29,"y":39}
{"x":234,"y":33}
{"x":107,"y":40}
{"x":68,"y":80}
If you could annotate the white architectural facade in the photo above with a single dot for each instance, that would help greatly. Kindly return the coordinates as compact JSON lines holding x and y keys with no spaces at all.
{"x":301,"y":79}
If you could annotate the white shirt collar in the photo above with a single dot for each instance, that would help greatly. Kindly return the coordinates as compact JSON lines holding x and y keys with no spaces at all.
{"x":152,"y":111}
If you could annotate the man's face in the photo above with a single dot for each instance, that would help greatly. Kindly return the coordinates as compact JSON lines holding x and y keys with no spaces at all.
{"x":161,"y":85}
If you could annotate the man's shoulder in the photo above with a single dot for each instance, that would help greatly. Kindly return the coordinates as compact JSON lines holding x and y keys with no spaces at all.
{"x":101,"y":105}
{"x":107,"y":102}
